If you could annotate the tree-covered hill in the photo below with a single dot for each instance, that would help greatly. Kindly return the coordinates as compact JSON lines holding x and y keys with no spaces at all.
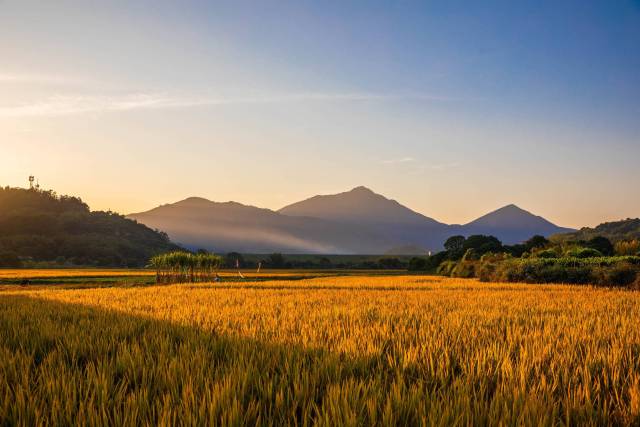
{"x":628,"y":229}
{"x":42,"y":226}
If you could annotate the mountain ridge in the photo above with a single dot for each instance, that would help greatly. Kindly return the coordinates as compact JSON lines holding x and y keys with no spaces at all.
{"x":356,"y":221}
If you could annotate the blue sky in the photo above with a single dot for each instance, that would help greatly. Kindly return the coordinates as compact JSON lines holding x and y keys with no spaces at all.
{"x":453,"y":108}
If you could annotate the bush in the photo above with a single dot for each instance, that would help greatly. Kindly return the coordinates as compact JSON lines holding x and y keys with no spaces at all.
{"x":390,"y":263}
{"x":604,"y":271}
{"x":583,"y":253}
{"x":434,"y":261}
{"x":547,"y":253}
{"x":464,"y":270}
{"x":619,"y":275}
{"x":446,"y":267}
{"x":602,"y":245}
{"x":486,"y":271}
{"x":628,"y":247}
{"x":417,"y":264}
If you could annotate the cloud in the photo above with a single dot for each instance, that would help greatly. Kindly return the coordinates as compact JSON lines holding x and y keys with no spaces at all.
{"x":444,"y":166}
{"x":64,"y":105}
{"x":398,"y":161}
{"x":70,"y":105}
{"x":32,"y":78}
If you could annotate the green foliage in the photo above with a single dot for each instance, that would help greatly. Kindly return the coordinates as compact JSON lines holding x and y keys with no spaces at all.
{"x":604,"y":271}
{"x":182,"y":267}
{"x":583,"y":253}
{"x":628,"y":229}
{"x":454,"y":246}
{"x":536,"y":242}
{"x":234,"y":260}
{"x":623,"y":274}
{"x":464,"y":269}
{"x":42,"y":226}
{"x":446,"y":268}
{"x":483,"y":244}
{"x":547,"y":253}
{"x":390,"y":263}
{"x":601,"y":244}
{"x":417,"y":264}
{"x":457,"y":247}
{"x":276,"y":260}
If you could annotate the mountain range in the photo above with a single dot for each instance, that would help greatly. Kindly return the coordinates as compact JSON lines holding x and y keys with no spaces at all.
{"x":354,"y":222}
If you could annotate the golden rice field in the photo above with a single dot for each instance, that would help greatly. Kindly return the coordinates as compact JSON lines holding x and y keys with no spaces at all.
{"x":359,"y":350}
{"x":45,"y":273}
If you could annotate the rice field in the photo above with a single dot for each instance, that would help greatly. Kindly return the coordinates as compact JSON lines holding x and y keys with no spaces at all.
{"x":352,"y":350}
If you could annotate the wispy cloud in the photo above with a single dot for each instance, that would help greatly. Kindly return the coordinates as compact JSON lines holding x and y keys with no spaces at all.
{"x":64,"y":105}
{"x":444,"y":166}
{"x":398,"y":161}
{"x":439,"y":167}
{"x":31,"y":78}
{"x":70,"y":105}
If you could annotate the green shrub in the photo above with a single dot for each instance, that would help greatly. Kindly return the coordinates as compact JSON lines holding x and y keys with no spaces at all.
{"x":446,"y":268}
{"x":417,"y":264}
{"x":547,"y":253}
{"x":604,"y":271}
{"x":583,"y":253}
{"x":486,"y":271}
{"x":464,"y":270}
{"x":589,"y":253}
{"x":470,"y":255}
{"x":619,"y":275}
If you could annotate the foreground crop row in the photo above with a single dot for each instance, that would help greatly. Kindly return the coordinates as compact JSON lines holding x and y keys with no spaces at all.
{"x":327,"y":351}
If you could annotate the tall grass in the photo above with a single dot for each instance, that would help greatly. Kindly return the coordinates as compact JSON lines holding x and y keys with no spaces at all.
{"x":181,"y":267}
{"x":328,"y":351}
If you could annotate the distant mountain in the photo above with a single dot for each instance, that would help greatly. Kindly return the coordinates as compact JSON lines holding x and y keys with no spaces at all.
{"x":628,"y":229}
{"x":354,"y":222}
{"x":223,"y":227}
{"x":359,"y":205}
{"x":511,"y":224}
{"x":397,"y":223}
{"x":41,"y":226}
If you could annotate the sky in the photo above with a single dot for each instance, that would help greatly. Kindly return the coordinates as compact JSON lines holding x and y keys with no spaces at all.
{"x":452,"y":108}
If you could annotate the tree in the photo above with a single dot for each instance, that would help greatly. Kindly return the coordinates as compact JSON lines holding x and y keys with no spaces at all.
{"x":234,"y":259}
{"x":276,"y":260}
{"x":390,"y":263}
{"x":536,"y":242}
{"x":602,"y":245}
{"x":483,"y":244}
{"x":324,"y":262}
{"x":454,"y":244}
{"x":434,"y":261}
{"x":417,"y":264}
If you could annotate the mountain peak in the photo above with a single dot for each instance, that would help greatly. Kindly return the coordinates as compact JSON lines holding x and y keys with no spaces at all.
{"x":194,"y":199}
{"x":358,"y":205}
{"x":361,"y":189}
{"x":511,"y":208}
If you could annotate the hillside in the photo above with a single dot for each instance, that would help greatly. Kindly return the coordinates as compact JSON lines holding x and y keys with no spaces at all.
{"x":222,"y":227}
{"x":42,"y":226}
{"x":628,"y":229}
{"x":511,"y":225}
